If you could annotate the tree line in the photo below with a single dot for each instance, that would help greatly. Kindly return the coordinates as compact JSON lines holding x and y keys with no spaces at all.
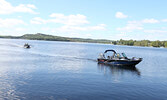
{"x":40,"y":36}
{"x":145,"y":43}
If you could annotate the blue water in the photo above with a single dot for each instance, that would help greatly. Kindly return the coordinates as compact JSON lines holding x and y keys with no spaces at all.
{"x":68,"y":71}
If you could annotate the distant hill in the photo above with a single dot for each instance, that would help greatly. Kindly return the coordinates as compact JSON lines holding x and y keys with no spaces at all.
{"x":40,"y":36}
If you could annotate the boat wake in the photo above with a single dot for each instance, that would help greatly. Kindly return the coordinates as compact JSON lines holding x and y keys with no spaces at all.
{"x":11,"y":45}
{"x":65,"y":57}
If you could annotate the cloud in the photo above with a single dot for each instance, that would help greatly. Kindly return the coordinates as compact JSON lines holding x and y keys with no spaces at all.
{"x":164,"y":20}
{"x":38,"y":20}
{"x":152,"y":21}
{"x":70,"y":23}
{"x":20,"y":29}
{"x":79,"y":35}
{"x":58,"y":15}
{"x":97,"y":27}
{"x":137,"y":25}
{"x":155,"y":31}
{"x":120,"y":15}
{"x":31,"y":6}
{"x":71,"y":20}
{"x":67,"y":28}
{"x":7,"y":8}
{"x":131,"y":26}
{"x":10,"y":22}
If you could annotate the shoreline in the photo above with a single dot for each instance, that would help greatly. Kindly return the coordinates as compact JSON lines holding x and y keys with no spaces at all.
{"x":81,"y":42}
{"x":45,"y":37}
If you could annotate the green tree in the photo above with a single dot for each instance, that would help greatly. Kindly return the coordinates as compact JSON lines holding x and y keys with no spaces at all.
{"x":165,"y":44}
{"x":156,"y":44}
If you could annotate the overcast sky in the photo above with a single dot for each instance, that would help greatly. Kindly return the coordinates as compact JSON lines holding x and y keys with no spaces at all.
{"x":98,"y":19}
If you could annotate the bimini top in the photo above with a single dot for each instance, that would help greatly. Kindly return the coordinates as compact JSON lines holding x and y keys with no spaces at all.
{"x":110,"y":50}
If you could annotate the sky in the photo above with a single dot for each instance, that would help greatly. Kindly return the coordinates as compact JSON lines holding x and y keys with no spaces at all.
{"x":96,"y":19}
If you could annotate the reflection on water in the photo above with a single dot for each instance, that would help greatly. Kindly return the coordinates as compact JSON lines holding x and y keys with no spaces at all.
{"x":117,"y":70}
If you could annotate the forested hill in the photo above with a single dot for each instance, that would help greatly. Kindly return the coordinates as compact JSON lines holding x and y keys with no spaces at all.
{"x":39,"y":36}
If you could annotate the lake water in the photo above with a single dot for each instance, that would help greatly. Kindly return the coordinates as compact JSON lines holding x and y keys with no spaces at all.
{"x":68,"y":71}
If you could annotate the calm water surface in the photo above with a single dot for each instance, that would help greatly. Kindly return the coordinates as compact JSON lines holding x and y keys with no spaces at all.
{"x":68,"y":71}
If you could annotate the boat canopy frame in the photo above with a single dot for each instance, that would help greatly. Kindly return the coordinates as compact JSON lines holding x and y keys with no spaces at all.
{"x":110,"y":50}
{"x":115,"y":54}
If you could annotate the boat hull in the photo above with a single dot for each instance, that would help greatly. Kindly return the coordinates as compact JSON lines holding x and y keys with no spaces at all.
{"x":120,"y":62}
{"x":27,"y":47}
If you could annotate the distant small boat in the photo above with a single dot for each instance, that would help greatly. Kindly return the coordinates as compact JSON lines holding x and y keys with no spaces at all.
{"x":26,"y":45}
{"x":118,"y":59}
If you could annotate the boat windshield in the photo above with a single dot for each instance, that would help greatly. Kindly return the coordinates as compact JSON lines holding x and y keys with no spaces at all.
{"x":124,"y":55}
